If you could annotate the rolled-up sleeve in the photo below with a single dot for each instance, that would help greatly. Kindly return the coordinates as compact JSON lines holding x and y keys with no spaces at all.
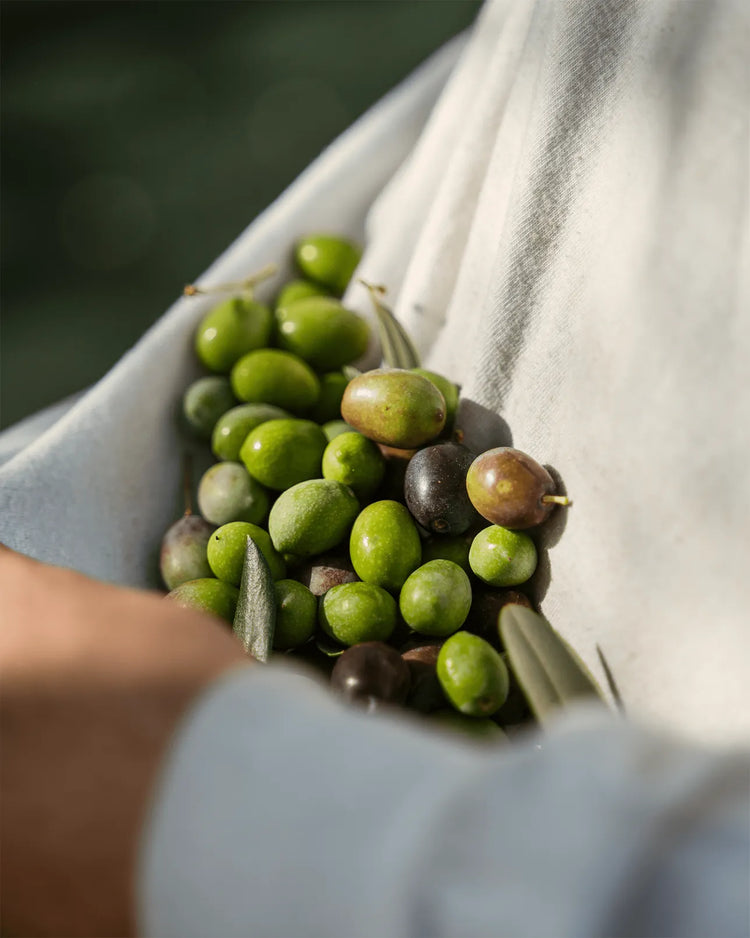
{"x":281,"y":813}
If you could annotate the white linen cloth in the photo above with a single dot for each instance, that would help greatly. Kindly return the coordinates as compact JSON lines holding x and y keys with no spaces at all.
{"x":558,"y":205}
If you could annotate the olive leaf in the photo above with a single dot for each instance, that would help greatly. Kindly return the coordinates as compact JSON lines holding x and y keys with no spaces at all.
{"x":398,"y":349}
{"x":255,"y":618}
{"x":546,"y":669}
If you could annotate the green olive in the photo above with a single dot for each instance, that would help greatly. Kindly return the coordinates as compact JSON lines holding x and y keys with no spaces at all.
{"x":357,"y":612}
{"x":312,"y":517}
{"x":353,"y":460}
{"x":502,"y":557}
{"x":281,"y":453}
{"x":230,"y":330}
{"x":436,"y":598}
{"x":204,"y":402}
{"x":472,"y":675}
{"x":322,"y":332}
{"x":394,"y":406}
{"x":227,"y":492}
{"x":233,"y":427}
{"x":227,"y":546}
{"x":328,"y":260}
{"x":296,"y":614}
{"x":207,"y":595}
{"x":384,"y":545}
{"x":298,"y":290}
{"x":273,"y":376}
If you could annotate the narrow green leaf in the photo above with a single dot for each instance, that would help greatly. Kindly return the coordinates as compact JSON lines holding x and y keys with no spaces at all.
{"x":255,"y":619}
{"x":548,"y":673}
{"x":350,"y":372}
{"x":398,"y":349}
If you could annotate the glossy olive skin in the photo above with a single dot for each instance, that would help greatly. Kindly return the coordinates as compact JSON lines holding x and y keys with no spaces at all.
{"x":450,"y":391}
{"x":328,"y":260}
{"x":506,"y":486}
{"x":353,"y":460}
{"x":312,"y":517}
{"x":230,"y":330}
{"x":384,"y":545}
{"x":273,"y":376}
{"x":281,"y":453}
{"x":298,"y":290}
{"x":435,"y":488}
{"x":232,"y":427}
{"x":394,"y":406}
{"x":227,"y":546}
{"x":209,"y":595}
{"x":436,"y":598}
{"x":371,"y":673}
{"x":357,"y":612}
{"x":473,"y":675}
{"x":501,"y":557}
{"x":183,"y":551}
{"x":320,"y":330}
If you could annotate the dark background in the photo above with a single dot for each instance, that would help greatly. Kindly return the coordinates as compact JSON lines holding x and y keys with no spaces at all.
{"x":140,"y":138}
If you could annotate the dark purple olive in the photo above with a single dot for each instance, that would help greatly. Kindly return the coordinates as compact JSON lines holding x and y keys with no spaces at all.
{"x":371,"y":674}
{"x":486,"y":605}
{"x":425,"y":692}
{"x":325,"y":571}
{"x":435,"y":488}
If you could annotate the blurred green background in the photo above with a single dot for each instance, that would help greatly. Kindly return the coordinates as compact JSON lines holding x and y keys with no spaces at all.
{"x":140,"y":138}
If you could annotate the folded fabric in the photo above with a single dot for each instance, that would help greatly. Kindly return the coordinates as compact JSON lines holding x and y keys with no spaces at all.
{"x":566,"y":235}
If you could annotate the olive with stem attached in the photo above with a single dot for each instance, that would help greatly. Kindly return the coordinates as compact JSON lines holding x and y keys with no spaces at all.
{"x":510,"y":489}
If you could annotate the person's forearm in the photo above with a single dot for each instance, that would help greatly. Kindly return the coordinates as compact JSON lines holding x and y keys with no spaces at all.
{"x":94,"y":681}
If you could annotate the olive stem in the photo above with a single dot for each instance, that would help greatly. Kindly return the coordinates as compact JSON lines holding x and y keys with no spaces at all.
{"x":187,"y":491}
{"x":555,"y":500}
{"x":234,"y":286}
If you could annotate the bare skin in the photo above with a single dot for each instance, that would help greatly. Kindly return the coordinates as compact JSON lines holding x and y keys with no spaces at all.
{"x":95,"y":680}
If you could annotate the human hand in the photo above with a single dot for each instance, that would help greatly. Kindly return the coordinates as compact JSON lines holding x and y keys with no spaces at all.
{"x":95,"y":679}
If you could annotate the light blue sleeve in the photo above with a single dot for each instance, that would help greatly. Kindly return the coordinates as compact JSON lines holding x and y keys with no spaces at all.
{"x":281,"y":814}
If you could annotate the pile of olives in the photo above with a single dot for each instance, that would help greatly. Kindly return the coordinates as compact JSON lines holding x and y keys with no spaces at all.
{"x":391,"y":545}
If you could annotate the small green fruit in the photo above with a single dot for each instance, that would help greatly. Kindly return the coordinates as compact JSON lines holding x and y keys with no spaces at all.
{"x":327,"y":260}
{"x":281,"y":453}
{"x":230,"y":330}
{"x":355,"y":461}
{"x":501,"y":557}
{"x":322,"y":332}
{"x":312,"y":517}
{"x":207,"y":595}
{"x":394,"y":406}
{"x":273,"y":376}
{"x":436,"y":598}
{"x":472,"y":675}
{"x":357,"y":612}
{"x":227,"y":492}
{"x":296,"y":614}
{"x":233,"y":427}
{"x":384,"y":545}
{"x":226,"y":551}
